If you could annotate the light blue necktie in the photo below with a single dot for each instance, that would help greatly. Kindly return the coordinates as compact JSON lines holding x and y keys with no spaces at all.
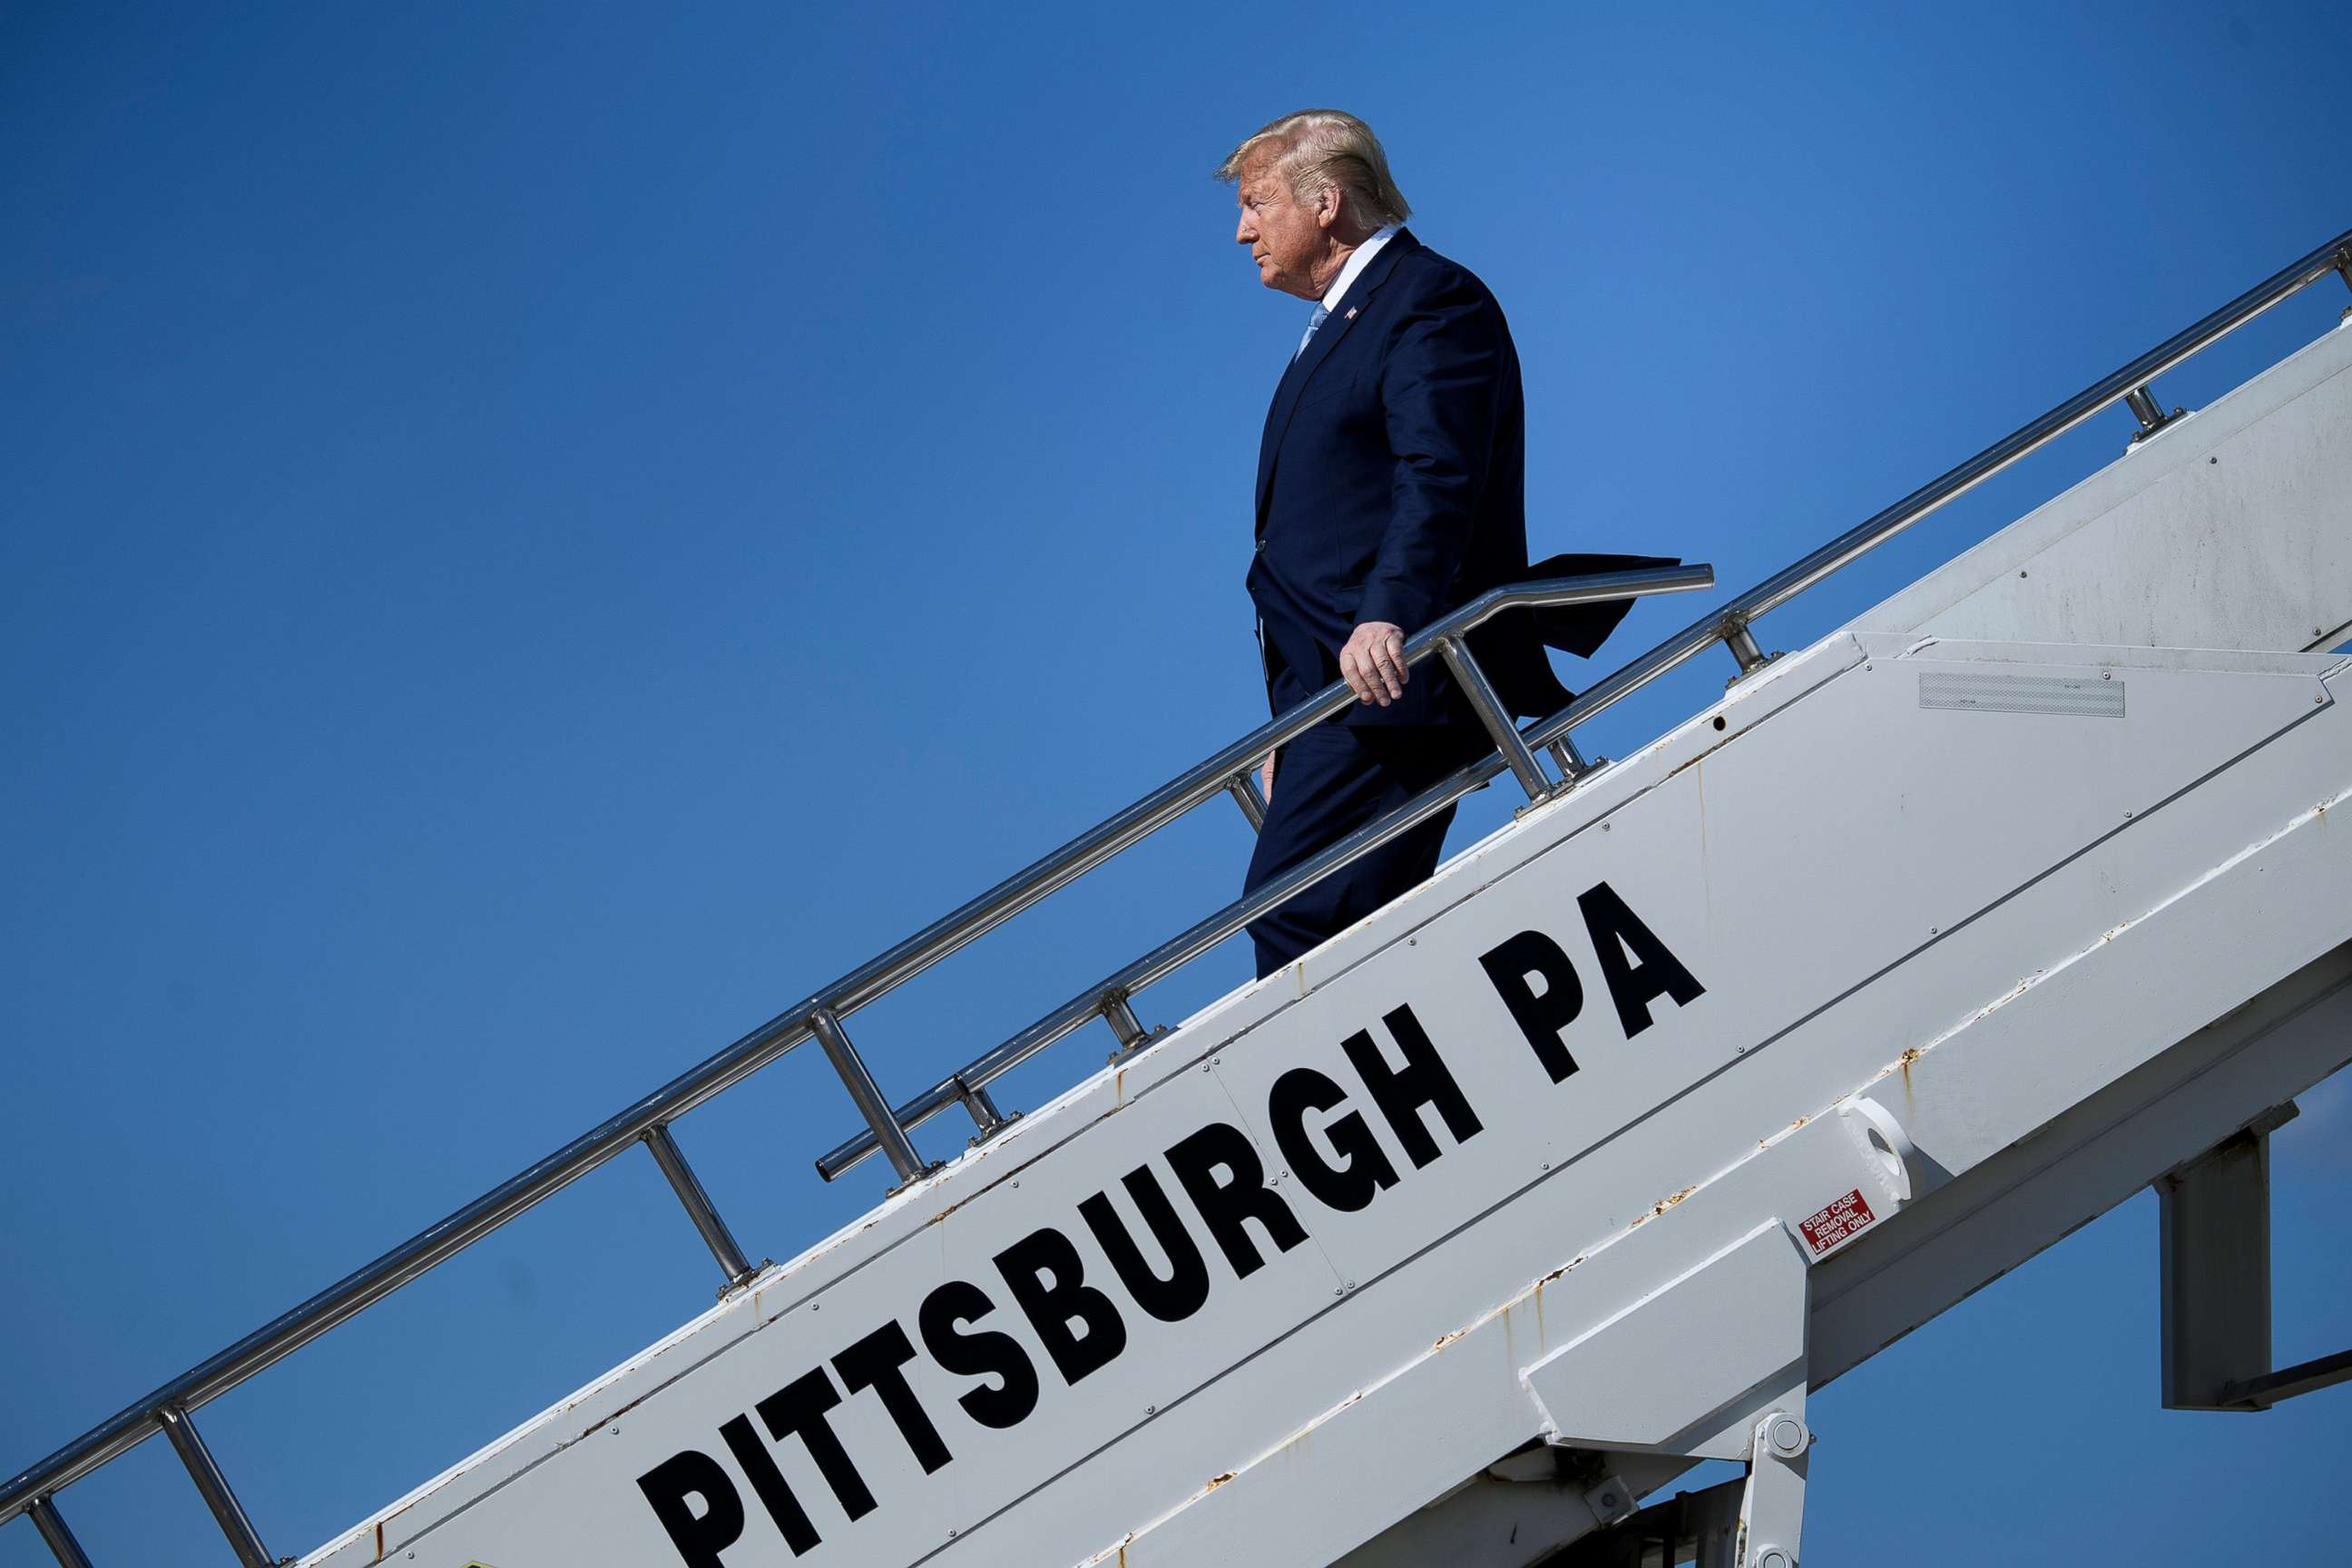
{"x":1313,"y":321}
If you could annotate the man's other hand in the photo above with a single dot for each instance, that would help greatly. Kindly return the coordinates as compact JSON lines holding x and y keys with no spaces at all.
{"x":1373,"y":664}
{"x":1265,"y":776}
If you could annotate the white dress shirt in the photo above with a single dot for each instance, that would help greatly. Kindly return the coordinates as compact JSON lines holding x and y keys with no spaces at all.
{"x":1358,"y":259}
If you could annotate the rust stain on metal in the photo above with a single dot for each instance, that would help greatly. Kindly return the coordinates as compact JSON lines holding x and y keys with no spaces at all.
{"x":1117,"y":1551}
{"x":2022,"y":986}
{"x":1663,"y":1204}
{"x":967,"y":1197}
{"x":1216,"y":1482}
{"x":840,"y":1239}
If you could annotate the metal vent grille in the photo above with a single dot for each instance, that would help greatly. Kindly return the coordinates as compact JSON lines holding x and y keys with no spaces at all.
{"x":1987,"y":693}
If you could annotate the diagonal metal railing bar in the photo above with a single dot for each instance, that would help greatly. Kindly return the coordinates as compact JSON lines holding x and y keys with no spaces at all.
{"x":1168,"y":957}
{"x":1863,"y":537}
{"x":356,"y":1291}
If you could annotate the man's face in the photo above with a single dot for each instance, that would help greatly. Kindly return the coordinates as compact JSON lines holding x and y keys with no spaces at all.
{"x":1285,"y":238}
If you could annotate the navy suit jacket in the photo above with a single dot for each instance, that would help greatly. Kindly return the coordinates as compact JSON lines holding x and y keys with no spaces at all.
{"x":1390,"y":488}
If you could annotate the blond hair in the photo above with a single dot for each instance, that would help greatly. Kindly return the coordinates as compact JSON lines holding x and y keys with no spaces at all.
{"x":1317,"y":149}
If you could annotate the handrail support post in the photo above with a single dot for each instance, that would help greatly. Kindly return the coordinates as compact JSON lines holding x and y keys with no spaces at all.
{"x":1243,"y":789}
{"x":1744,"y":649}
{"x":1489,"y":708}
{"x":2148,"y":412}
{"x":52,"y":1526}
{"x":891,"y":1137}
{"x":1118,"y":1012}
{"x":228,"y":1512}
{"x":1572,"y":764}
{"x":699,"y":1206}
{"x":975,"y":1100}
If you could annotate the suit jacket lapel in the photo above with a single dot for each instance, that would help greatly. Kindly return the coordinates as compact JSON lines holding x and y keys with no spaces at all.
{"x":1286,"y":392}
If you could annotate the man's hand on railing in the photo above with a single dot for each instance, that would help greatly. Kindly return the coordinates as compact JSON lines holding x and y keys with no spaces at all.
{"x":1373,"y":664}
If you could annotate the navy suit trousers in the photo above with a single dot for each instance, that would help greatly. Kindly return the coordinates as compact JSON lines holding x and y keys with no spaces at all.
{"x":1329,"y":782}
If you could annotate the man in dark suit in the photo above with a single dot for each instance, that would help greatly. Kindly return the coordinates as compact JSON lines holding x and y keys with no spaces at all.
{"x":1389,"y":492}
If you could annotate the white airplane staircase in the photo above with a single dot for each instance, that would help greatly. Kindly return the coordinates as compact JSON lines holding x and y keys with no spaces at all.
{"x":1715,"y":1071}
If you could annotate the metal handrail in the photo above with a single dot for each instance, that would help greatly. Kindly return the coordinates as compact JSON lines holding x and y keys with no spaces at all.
{"x":1110,"y":998}
{"x":1729,"y":624}
{"x":648,"y":1119}
{"x":32,"y":1489}
{"x":1096,"y":1000}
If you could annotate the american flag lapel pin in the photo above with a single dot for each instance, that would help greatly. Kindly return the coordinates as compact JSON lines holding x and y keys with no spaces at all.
{"x":1351,"y":313}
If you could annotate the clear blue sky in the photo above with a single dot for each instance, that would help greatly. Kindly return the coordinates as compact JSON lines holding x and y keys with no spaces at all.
{"x":530,"y":537}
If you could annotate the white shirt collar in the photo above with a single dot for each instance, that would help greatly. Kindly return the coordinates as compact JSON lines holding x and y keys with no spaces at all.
{"x":1358,"y":259}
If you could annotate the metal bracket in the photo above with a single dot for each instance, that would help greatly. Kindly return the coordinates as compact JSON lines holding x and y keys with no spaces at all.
{"x":2304,"y":1377}
{"x":1244,"y":791}
{"x":2215,"y":1213}
{"x":1572,"y":764}
{"x":1118,"y":1012}
{"x":1159,"y":1032}
{"x":1704,"y":1524}
{"x":2214,"y":1269}
{"x":1712,"y":1364}
{"x":2148,"y":412}
{"x":1742,"y":644}
{"x":984,"y":1114}
{"x":1772,"y":1507}
{"x":1611,"y":1501}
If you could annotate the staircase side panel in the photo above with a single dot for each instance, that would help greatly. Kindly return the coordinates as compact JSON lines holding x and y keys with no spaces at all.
{"x":2229,"y":529}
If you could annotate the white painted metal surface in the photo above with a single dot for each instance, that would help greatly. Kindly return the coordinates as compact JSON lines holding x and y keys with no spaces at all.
{"x":1675,"y":1099}
{"x":2231,"y":526}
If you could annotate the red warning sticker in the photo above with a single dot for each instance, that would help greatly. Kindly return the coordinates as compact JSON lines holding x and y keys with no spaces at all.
{"x":1837,"y":1222}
